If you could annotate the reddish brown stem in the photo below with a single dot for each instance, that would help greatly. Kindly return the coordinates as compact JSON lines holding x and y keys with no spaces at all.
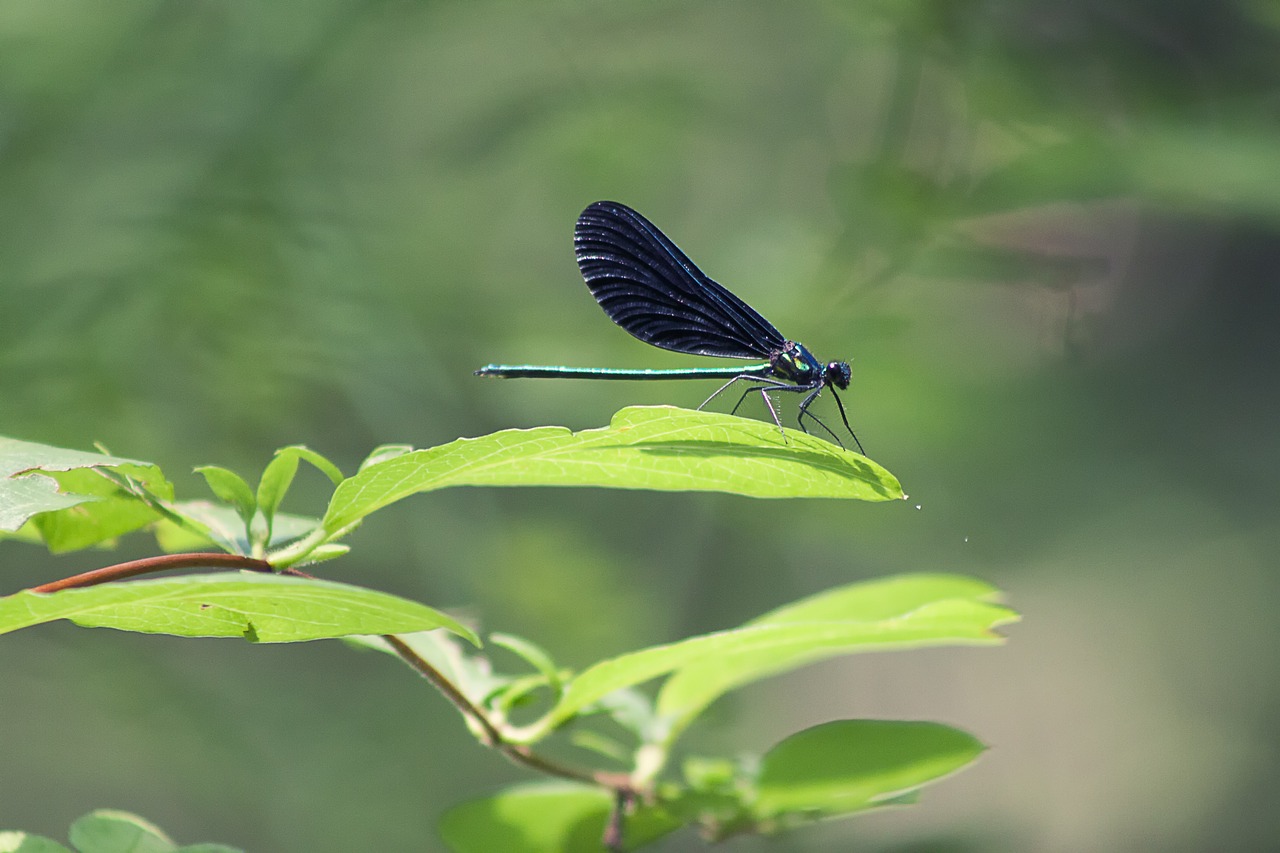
{"x":613,"y":831}
{"x":149,"y":565}
{"x":619,"y":783}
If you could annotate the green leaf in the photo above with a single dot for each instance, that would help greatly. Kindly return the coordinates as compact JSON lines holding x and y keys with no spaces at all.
{"x":108,"y":831}
{"x":26,"y":496}
{"x":903,"y":612}
{"x":76,"y":505}
{"x":532,"y":654}
{"x":221,"y":525}
{"x":26,"y":533}
{"x":324,"y":553}
{"x":110,"y":513}
{"x":12,"y":841}
{"x":887,"y":598}
{"x":383,"y":452}
{"x":653,"y":447}
{"x":325,"y":467}
{"x":259,"y":607}
{"x":710,"y":774}
{"x":907,"y":611}
{"x":230,"y":487}
{"x":601,"y":745}
{"x":850,"y":765}
{"x":275,"y":481}
{"x":632,"y":710}
{"x":546,"y":816}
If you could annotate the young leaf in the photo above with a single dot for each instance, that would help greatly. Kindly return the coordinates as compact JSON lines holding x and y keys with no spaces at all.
{"x":259,"y":607}
{"x":515,"y":693}
{"x":654,"y":447}
{"x":325,"y":467}
{"x":849,"y":765}
{"x":631,"y":709}
{"x":324,"y":553}
{"x":383,"y":452}
{"x":274,"y":483}
{"x":538,"y":817}
{"x":533,"y":654}
{"x":230,"y":487}
{"x":221,"y":525}
{"x":601,"y":745}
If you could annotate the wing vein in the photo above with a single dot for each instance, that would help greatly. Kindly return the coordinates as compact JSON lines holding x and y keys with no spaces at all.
{"x":652,"y":290}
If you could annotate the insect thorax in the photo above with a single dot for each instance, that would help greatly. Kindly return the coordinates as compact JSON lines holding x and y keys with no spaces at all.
{"x":796,"y":364}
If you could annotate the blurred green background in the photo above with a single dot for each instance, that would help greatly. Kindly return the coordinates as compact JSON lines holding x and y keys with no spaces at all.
{"x":1047,"y":236}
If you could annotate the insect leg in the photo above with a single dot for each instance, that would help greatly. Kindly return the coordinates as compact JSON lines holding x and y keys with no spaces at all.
{"x":844,"y":418}
{"x":764,"y":380}
{"x":768,"y":401}
{"x":804,"y":412}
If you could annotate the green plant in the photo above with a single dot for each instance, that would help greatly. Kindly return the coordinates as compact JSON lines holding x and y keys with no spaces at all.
{"x":641,"y":790}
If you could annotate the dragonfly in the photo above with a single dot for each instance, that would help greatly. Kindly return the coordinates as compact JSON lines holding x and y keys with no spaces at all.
{"x":651,"y":289}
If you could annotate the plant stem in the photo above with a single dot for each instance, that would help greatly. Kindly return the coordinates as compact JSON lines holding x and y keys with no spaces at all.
{"x":613,"y":831}
{"x":516,"y":752}
{"x":149,"y":565}
{"x":621,"y":784}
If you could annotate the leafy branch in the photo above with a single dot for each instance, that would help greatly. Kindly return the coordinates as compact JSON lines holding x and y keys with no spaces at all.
{"x":637,"y":793}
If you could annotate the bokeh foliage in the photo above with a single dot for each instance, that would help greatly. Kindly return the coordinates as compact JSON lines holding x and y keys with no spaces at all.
{"x":1045,"y":234}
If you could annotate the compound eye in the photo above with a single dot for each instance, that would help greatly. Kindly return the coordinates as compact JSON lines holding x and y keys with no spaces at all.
{"x":838,"y":374}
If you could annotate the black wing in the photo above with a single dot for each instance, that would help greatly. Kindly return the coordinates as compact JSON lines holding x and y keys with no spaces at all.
{"x":650,"y":288}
